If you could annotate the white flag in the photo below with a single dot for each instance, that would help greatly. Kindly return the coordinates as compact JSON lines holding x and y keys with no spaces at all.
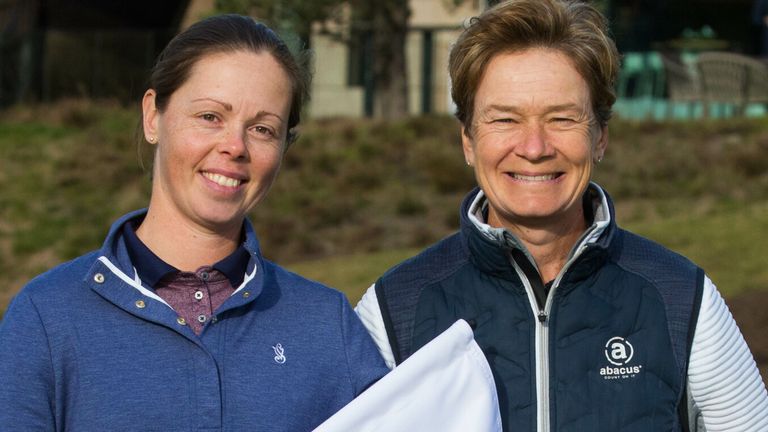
{"x":446,"y":386}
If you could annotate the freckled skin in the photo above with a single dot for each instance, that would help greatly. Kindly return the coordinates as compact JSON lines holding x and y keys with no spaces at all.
{"x":533,"y":141}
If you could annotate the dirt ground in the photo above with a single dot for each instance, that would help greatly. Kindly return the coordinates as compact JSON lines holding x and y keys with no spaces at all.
{"x":751,"y":313}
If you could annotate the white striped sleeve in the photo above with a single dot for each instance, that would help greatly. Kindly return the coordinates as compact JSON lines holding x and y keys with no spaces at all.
{"x":370,"y":314}
{"x":726,"y":390}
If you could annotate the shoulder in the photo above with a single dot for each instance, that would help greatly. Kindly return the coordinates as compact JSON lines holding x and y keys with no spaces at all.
{"x":398,"y":291}
{"x":403,"y":283}
{"x":59,"y":281}
{"x":433,"y":264}
{"x":48,"y":299}
{"x":674,"y":277}
{"x":677,"y":281}
{"x":295,"y":285}
{"x":651,"y":260}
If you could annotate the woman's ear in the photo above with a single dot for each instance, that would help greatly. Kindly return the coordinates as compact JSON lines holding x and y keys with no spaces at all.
{"x":601,"y":143}
{"x":468,"y":145}
{"x":150,"y":117}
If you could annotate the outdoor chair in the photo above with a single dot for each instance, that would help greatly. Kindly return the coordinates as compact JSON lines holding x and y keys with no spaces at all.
{"x":640,"y":84}
{"x":682,"y":84}
{"x":732,"y":79}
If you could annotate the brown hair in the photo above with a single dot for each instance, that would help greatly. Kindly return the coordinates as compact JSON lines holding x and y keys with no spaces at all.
{"x":221,"y":34}
{"x":573,"y":28}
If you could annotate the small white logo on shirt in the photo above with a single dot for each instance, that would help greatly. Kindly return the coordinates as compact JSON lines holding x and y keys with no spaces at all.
{"x":279,"y":354}
{"x":619,"y":353}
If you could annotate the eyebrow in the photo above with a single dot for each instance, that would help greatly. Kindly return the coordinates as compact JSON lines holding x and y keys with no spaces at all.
{"x":228,"y":107}
{"x":515,"y":109}
{"x":267,"y":113}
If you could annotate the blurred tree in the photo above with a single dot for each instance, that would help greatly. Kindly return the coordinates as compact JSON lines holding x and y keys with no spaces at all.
{"x":386,"y":21}
{"x":383,"y":22}
{"x":294,"y":16}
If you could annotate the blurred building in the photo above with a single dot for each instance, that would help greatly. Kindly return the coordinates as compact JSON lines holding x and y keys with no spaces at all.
{"x":95,"y":48}
{"x":644,"y":25}
{"x":342,"y":82}
{"x":51,"y":49}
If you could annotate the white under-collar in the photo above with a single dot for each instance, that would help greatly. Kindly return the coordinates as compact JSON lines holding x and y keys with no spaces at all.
{"x":600,"y":208}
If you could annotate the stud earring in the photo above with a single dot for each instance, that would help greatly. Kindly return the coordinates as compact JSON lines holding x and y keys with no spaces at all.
{"x":152,"y":140}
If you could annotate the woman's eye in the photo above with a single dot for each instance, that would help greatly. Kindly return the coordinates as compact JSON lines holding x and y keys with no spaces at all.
{"x":564,"y":120}
{"x":263,"y":130}
{"x":208,"y":117}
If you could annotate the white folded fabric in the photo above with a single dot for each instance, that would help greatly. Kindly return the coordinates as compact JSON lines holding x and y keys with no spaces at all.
{"x":445,"y":386}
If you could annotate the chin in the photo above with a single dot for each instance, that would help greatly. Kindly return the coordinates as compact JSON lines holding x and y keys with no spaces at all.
{"x":221,"y":220}
{"x":536,"y":209}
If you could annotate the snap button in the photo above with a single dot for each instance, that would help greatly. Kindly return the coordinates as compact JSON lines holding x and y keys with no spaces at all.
{"x":198,"y":295}
{"x":140,"y":304}
{"x":214,"y":320}
{"x":204,"y":276}
{"x":99,"y":278}
{"x":201,"y":318}
{"x":246,"y":294}
{"x":181,"y":321}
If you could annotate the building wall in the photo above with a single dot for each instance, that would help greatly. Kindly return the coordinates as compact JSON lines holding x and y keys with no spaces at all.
{"x":442,"y":13}
{"x":441,"y":96}
{"x":413,"y":73}
{"x":333,"y":96}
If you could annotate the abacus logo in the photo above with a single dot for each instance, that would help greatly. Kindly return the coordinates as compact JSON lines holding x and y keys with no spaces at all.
{"x":619,"y":353}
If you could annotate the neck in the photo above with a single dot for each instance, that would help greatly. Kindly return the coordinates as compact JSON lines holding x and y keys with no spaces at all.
{"x":184,"y":245}
{"x":548,"y":243}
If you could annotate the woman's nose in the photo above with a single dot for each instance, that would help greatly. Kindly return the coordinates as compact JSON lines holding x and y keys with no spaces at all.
{"x":234,"y":144}
{"x":534,"y":144}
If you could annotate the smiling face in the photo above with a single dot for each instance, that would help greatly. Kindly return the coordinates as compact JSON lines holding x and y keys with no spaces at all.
{"x":534,"y":140}
{"x":220,"y":140}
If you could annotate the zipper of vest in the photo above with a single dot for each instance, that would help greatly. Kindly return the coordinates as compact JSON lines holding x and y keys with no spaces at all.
{"x":542,"y":341}
{"x":541,"y":335}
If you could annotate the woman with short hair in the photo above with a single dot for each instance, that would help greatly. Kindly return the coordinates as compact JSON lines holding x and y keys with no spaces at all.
{"x":586,"y":327}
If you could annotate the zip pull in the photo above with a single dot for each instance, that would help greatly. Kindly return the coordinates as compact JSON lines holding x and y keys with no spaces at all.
{"x":542,"y":316}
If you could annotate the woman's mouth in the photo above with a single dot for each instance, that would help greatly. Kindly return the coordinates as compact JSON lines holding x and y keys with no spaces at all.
{"x":222,"y":180}
{"x":534,"y":178}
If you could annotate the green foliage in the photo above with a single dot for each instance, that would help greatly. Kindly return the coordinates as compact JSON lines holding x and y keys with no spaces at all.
{"x":286,"y":16}
{"x":66,"y":172}
{"x":350,"y":188}
{"x":362,"y":186}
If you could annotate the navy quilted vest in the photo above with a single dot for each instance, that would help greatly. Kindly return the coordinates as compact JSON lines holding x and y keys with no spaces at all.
{"x":617,"y":335}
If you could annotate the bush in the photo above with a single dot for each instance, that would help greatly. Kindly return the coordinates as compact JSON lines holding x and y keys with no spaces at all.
{"x":68,"y":170}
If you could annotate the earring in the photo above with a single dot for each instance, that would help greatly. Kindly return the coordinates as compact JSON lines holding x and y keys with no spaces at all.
{"x":469,"y":163}
{"x":152,"y":140}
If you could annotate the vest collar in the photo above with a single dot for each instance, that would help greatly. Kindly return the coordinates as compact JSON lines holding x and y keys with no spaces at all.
{"x":490,"y":246}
